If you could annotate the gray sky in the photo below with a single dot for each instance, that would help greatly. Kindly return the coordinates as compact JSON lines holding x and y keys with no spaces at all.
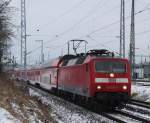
{"x":59,"y":21}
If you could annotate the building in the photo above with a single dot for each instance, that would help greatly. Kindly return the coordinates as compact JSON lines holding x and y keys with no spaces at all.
{"x":143,"y":70}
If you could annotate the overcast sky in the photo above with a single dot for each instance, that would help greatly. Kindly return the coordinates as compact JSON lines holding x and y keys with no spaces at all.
{"x":59,"y":21}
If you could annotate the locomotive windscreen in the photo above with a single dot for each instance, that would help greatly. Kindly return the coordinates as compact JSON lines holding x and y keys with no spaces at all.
{"x":110,"y":66}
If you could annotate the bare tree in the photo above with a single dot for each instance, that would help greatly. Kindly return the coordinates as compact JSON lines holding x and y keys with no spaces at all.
{"x":5,"y":28}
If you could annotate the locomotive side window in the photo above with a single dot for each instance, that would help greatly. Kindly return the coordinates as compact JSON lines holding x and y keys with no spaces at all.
{"x":110,"y":66}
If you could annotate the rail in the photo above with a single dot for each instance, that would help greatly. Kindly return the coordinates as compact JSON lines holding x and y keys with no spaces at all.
{"x":140,"y":103}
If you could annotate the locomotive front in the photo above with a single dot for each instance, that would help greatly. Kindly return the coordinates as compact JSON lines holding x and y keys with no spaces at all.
{"x":111,"y":81}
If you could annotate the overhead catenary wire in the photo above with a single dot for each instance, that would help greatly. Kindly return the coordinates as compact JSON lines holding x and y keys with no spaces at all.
{"x":139,"y":33}
{"x":85,"y":17}
{"x":115,"y":22}
{"x":110,"y":10}
{"x":143,"y":32}
{"x":82,"y":19}
{"x":111,"y":36}
{"x":5,"y":4}
{"x":63,"y":14}
{"x":102,"y":45}
{"x":66,"y":31}
{"x":102,"y":28}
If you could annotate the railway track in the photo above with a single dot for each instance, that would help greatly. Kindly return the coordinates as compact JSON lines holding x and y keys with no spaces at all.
{"x":135,"y":112}
{"x":131,"y":114}
{"x":121,"y":116}
{"x":140,"y":103}
{"x":140,"y":80}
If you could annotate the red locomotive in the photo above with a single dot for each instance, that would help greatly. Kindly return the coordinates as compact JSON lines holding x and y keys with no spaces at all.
{"x":96,"y":75}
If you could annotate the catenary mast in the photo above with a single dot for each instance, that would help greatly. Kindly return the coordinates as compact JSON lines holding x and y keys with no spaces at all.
{"x":132,"y":39}
{"x":23,"y":33}
{"x":122,"y":29}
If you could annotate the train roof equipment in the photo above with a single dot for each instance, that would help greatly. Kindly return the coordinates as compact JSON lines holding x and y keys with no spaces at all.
{"x":69,"y":59}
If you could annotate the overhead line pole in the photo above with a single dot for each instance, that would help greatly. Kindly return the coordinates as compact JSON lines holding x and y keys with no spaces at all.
{"x":23,"y":34}
{"x":122,"y":29}
{"x":132,"y":40}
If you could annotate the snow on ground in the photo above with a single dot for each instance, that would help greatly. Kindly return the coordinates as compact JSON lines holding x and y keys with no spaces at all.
{"x":6,"y":117}
{"x":141,"y":92}
{"x":65,"y":112}
{"x":17,"y":106}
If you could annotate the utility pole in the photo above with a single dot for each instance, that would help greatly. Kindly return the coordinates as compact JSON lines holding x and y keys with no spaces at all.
{"x":23,"y":34}
{"x":122,"y":29}
{"x":132,"y":40}
{"x":42,"y":50}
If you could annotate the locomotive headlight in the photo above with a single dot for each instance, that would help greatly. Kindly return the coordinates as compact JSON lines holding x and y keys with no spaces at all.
{"x":124,"y":87}
{"x":111,"y":75}
{"x":99,"y":87}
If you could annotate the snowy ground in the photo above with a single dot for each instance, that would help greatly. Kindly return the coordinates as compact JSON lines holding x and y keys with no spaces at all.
{"x":65,"y":112}
{"x":6,"y":117}
{"x":141,"y":92}
{"x":17,"y":106}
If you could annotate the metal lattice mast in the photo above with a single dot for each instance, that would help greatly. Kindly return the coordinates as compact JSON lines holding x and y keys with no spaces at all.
{"x":122,"y":29}
{"x":23,"y":33}
{"x":132,"y":39}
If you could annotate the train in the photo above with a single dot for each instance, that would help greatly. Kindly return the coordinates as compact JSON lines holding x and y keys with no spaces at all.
{"x":95,"y":76}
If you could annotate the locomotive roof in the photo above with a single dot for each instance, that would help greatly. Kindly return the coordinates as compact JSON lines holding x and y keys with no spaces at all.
{"x":95,"y":52}
{"x":82,"y":57}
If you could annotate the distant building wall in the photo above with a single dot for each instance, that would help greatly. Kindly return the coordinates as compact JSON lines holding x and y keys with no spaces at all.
{"x":139,"y":72}
{"x":147,"y":70}
{"x":143,"y":70}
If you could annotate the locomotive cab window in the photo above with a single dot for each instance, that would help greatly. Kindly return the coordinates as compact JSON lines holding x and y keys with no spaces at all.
{"x":110,"y":66}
